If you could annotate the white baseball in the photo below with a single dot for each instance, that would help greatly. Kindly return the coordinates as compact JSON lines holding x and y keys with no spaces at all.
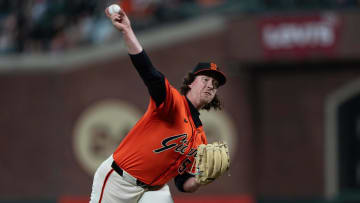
{"x":114,"y":8}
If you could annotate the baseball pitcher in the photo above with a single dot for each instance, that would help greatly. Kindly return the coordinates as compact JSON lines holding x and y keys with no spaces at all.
{"x":168,"y":142}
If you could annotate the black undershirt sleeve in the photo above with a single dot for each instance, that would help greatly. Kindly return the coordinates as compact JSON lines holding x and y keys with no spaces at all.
{"x":153,"y":79}
{"x":181,"y":179}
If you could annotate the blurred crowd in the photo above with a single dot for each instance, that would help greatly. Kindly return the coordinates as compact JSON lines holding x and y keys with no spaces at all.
{"x":52,"y":26}
{"x":44,"y":25}
{"x":311,"y":4}
{"x":58,"y":25}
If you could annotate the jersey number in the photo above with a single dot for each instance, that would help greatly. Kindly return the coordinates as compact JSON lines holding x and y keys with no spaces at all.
{"x":184,"y":165}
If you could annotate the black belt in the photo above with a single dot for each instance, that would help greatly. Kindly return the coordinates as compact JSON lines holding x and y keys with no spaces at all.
{"x":138,"y":182}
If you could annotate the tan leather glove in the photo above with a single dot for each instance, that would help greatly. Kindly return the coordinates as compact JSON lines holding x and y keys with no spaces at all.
{"x":212,"y":161}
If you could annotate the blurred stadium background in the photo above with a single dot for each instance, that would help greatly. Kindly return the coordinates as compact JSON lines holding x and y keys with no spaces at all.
{"x":69,"y":94}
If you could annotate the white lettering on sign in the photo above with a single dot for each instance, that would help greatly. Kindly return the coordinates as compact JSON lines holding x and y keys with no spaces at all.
{"x":290,"y":35}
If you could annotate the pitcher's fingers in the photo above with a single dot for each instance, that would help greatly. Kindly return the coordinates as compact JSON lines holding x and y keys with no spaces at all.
{"x":107,"y":12}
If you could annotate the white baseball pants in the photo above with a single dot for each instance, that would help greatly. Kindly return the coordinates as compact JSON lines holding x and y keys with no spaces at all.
{"x":109,"y":187}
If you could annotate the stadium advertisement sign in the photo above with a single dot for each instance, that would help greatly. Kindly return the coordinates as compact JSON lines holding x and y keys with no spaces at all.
{"x":300,"y":35}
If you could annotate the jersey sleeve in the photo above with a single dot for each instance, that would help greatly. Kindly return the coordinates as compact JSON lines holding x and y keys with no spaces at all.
{"x":153,"y":79}
{"x":173,"y":102}
{"x":180,"y":180}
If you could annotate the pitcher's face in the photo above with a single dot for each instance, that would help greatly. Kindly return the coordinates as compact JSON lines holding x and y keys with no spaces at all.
{"x":205,"y":88}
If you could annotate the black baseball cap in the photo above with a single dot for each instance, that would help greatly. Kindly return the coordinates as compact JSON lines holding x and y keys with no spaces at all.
{"x":210,"y":69}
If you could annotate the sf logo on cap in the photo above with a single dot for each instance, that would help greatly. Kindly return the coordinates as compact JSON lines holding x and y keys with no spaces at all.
{"x":213,"y":66}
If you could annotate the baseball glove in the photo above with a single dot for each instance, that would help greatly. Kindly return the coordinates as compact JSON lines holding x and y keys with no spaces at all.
{"x":212,"y":161}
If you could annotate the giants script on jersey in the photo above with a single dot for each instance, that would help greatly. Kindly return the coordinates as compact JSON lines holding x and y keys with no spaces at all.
{"x":171,"y":143}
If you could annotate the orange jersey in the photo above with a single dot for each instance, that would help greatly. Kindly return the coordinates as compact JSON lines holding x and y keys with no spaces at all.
{"x":163,"y":142}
